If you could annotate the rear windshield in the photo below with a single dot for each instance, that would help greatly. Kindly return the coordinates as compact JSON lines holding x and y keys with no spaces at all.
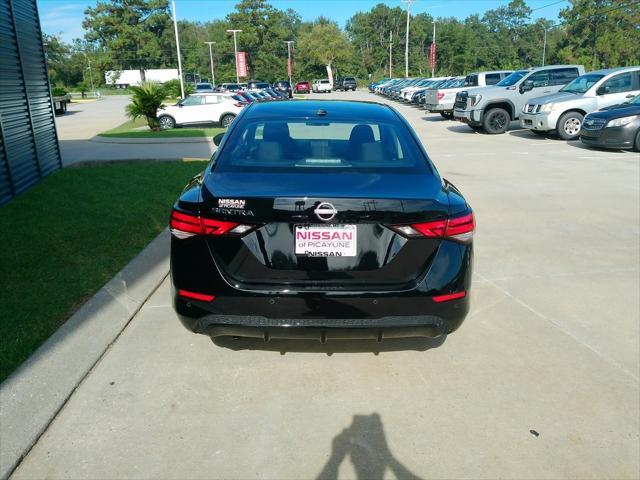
{"x":314,"y":145}
{"x":349,"y":79}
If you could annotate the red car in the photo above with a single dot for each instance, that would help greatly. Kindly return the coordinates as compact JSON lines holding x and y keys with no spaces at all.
{"x":302,"y":87}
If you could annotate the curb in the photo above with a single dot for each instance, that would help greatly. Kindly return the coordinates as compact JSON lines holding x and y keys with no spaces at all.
{"x":32,"y":396}
{"x":153,"y":141}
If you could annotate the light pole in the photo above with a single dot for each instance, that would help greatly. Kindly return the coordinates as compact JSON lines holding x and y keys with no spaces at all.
{"x":289,"y":42}
{"x":390,"y":51}
{"x":433,"y":65}
{"x":235,"y":50}
{"x":175,"y":29}
{"x":544,"y":47}
{"x":406,"y":42}
{"x":213,"y":75}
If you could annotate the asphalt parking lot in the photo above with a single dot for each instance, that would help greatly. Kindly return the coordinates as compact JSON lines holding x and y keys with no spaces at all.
{"x":541,"y":381}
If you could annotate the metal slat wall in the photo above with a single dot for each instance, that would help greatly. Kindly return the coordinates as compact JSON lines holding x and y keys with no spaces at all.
{"x":28,"y":142}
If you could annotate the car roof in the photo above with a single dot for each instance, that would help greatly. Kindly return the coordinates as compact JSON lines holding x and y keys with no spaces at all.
{"x":608,"y":71}
{"x":333,"y":110}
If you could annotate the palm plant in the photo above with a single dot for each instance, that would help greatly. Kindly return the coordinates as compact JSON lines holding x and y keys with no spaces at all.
{"x":147,"y":99}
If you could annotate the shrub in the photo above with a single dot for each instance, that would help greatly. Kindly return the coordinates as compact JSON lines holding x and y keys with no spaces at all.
{"x":146,"y":100}
{"x":172,"y":88}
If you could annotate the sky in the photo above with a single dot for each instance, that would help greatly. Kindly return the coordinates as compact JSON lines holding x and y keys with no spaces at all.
{"x":64,"y":17}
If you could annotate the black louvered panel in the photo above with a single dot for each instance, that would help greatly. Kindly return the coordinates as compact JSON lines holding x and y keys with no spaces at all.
{"x":30,"y":146}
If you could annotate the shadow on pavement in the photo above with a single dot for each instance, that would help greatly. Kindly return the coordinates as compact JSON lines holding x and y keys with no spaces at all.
{"x":529,"y":135}
{"x":283,"y":346}
{"x":462,"y":128}
{"x":436,"y":118}
{"x":365,"y":443}
{"x":595,"y":150}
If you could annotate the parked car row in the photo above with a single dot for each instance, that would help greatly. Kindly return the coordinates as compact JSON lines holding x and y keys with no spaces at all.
{"x":560,"y":99}
{"x":217,"y":107}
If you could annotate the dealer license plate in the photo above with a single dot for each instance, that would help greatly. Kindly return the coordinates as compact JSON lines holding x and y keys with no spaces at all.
{"x":326,"y":240}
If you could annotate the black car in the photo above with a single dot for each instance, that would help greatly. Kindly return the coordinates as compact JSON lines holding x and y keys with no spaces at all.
{"x":321,"y":219}
{"x":284,"y":87}
{"x":614,"y":127}
{"x":346,"y":84}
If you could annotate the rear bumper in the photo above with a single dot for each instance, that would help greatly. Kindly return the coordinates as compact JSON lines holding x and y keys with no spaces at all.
{"x":358,"y":322}
{"x":439,"y":107}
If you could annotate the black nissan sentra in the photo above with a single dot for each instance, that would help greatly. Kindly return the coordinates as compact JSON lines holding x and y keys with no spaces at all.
{"x":321,"y":219}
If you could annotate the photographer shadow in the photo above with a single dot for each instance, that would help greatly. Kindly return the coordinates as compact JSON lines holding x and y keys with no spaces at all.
{"x":365,"y":443}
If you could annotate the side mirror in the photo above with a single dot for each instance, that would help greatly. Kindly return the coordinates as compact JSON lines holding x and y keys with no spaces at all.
{"x":603,"y":90}
{"x":526,"y":86}
{"x":218,"y":139}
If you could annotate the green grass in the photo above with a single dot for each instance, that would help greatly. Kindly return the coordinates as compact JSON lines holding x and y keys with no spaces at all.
{"x":66,"y":237}
{"x":128,"y":130}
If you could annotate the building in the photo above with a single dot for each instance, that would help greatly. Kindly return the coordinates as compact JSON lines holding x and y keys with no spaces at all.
{"x":28,"y":142}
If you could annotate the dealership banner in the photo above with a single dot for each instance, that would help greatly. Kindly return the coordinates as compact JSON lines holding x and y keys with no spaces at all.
{"x":432,"y":56}
{"x":241,"y":64}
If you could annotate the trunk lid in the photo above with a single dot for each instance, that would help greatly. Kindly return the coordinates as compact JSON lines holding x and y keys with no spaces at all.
{"x":287,"y":208}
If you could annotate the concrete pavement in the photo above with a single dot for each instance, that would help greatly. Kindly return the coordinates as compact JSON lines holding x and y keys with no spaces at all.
{"x":541,"y":381}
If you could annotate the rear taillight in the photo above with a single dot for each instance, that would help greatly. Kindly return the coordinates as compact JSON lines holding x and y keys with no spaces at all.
{"x":459,"y":229}
{"x":201,"y":297}
{"x":448,"y":297}
{"x":440,"y":95}
{"x":184,"y":225}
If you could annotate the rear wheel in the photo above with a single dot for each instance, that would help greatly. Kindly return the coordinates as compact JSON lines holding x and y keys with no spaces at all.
{"x":496,"y":121}
{"x":446,"y":115}
{"x":637,"y":142}
{"x":226,"y":120}
{"x":166,"y":122}
{"x":569,"y":125}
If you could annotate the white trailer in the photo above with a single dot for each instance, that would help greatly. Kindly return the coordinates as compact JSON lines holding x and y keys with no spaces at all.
{"x":125,"y":78}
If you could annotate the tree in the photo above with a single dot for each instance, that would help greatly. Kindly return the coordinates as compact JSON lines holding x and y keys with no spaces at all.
{"x":131,"y":33}
{"x":147,"y":98}
{"x":324,"y":45}
{"x":601,"y":33}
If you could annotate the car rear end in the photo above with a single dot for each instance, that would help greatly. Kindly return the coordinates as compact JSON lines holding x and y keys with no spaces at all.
{"x":303,"y":87}
{"x":321,"y":219}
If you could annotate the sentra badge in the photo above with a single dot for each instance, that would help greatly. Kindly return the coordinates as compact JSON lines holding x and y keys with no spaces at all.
{"x":230,"y":203}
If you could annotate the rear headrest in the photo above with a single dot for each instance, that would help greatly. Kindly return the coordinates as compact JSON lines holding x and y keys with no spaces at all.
{"x":361,"y":134}
{"x":275,"y":132}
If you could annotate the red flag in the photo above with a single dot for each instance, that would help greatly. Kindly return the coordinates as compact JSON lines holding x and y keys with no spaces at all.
{"x":241,"y":64}
{"x":432,"y":56}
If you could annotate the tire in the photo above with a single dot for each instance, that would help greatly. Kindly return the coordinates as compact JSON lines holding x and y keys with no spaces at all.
{"x":569,"y":125}
{"x":636,"y":144}
{"x":496,"y":121}
{"x":226,"y":120}
{"x":166,"y":122}
{"x":446,"y":115}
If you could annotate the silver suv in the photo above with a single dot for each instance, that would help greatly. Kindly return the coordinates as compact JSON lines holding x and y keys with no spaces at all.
{"x":565,"y":110}
{"x":493,"y":108}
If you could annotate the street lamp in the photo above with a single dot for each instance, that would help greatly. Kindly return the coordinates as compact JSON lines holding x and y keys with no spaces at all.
{"x":235,"y":50}
{"x":175,"y":29}
{"x":289,"y":42}
{"x":406,"y":42}
{"x":213,"y":75}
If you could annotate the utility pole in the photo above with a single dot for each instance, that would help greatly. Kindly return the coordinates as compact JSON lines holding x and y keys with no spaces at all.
{"x":90,"y":75}
{"x":213,"y":75}
{"x":406,"y":43}
{"x":235,"y":51}
{"x":175,"y":29}
{"x":544,"y":46}
{"x":433,"y":43}
{"x":390,"y":51}
{"x":289,"y":67}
